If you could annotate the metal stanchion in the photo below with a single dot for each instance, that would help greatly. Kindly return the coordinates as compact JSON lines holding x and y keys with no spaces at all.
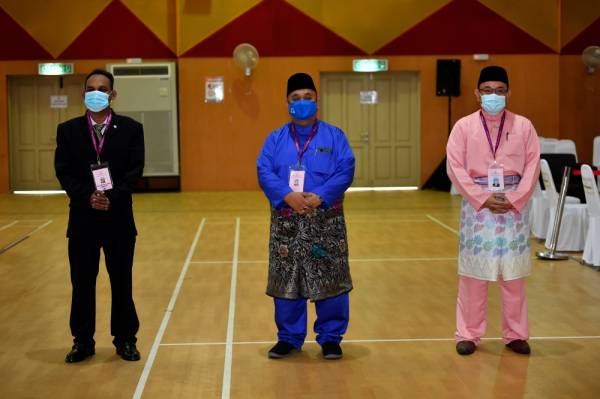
{"x":552,"y":254}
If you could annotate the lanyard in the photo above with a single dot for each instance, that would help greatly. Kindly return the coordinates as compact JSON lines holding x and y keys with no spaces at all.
{"x":487,"y":133}
{"x":98,"y":146}
{"x":297,"y":143}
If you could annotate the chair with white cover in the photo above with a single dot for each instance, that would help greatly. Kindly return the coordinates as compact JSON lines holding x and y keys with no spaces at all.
{"x":538,"y":212}
{"x":596,"y":157}
{"x":548,"y":145}
{"x":574,"y":218}
{"x":591,"y":251}
{"x":566,"y":146}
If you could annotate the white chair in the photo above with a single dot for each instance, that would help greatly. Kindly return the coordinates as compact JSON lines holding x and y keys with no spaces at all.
{"x":548,"y":145}
{"x":573,"y":226}
{"x":591,"y":251}
{"x":538,"y":214}
{"x":596,"y":156}
{"x":566,"y":146}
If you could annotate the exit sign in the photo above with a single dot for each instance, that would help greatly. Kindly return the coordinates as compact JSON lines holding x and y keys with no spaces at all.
{"x":55,"y":69}
{"x":369,"y":65}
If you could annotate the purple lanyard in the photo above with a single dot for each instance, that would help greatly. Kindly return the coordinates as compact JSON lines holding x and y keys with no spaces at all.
{"x":297,"y":143}
{"x":487,"y":133}
{"x":98,"y":146}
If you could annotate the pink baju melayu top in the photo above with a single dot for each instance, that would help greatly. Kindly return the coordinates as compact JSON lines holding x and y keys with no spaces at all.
{"x":469,"y":156}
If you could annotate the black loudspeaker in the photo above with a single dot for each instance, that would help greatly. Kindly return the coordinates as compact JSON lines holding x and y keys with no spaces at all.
{"x":448,"y":78}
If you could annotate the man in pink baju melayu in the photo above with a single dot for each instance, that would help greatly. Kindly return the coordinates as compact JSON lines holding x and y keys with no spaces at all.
{"x":493,"y":161}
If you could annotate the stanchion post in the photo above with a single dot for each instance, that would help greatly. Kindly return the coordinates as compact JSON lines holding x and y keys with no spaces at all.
{"x":552,"y":254}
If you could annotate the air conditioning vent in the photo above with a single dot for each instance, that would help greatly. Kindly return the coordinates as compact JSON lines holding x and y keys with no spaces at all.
{"x":148,"y":94}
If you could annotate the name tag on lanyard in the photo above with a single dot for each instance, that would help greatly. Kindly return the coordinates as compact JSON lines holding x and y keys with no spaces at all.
{"x":102,"y":178}
{"x":100,"y":170}
{"x":495,"y":171}
{"x":495,"y":178}
{"x":297,"y":172}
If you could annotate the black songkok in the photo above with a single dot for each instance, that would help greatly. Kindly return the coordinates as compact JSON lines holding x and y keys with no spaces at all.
{"x":493,"y":74}
{"x":300,"y":81}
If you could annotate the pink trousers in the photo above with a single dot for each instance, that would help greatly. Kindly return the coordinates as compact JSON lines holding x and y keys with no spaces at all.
{"x":471,"y":309}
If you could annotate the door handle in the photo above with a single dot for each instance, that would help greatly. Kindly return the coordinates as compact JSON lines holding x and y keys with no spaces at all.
{"x":364,"y":136}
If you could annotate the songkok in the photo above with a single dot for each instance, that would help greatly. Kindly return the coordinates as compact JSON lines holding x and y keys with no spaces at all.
{"x":493,"y":74}
{"x":300,"y":81}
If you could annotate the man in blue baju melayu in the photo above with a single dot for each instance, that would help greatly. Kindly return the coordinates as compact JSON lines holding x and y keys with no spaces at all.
{"x":304,"y":168}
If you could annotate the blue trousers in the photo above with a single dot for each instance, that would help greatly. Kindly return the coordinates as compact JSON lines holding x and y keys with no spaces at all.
{"x":333,"y":315}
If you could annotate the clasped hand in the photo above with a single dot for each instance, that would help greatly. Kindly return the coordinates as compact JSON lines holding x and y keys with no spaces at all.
{"x":302,"y":202}
{"x":498,"y":203}
{"x":99,"y":201}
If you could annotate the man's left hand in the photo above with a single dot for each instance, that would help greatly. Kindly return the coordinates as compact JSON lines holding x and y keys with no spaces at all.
{"x":314,"y":201}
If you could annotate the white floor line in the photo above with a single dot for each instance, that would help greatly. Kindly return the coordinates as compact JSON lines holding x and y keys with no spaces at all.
{"x":19,"y":240}
{"x":231,"y":319}
{"x":391,"y":340}
{"x":399,"y":259}
{"x":41,"y":227}
{"x":6,"y":226}
{"x":444,"y":225}
{"x":165,"y":321}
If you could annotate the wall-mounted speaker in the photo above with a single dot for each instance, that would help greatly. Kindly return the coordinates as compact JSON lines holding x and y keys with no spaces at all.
{"x":448,"y":78}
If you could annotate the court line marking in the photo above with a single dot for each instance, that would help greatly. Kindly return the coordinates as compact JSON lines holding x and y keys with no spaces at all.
{"x":23,"y":237}
{"x":444,"y":225}
{"x":165,"y":321}
{"x":231,"y":318}
{"x":8,"y":225}
{"x":391,"y":340}
{"x":209,"y":262}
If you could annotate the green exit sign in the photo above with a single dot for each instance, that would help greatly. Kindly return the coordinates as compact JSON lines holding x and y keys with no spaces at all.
{"x":370,"y":65}
{"x":55,"y":69}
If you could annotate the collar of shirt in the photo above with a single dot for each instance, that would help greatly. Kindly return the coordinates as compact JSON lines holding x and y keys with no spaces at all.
{"x":495,"y":119}
{"x":103,"y":122}
{"x":303,"y":131}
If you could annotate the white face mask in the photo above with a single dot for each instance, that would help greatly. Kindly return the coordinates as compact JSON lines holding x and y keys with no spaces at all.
{"x":96,"y":100}
{"x":493,"y":103}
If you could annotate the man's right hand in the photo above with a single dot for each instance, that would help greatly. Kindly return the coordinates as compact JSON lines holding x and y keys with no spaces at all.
{"x":497,"y":206}
{"x":99,"y":201}
{"x":297,"y":202}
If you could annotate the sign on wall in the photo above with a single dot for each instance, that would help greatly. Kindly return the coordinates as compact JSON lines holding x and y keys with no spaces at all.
{"x":214,"y":89}
{"x":59,"y":101}
{"x":368,"y":97}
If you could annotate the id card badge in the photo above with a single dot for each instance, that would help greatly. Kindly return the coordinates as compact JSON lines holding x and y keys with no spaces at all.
{"x":496,"y":178}
{"x":102,"y":178}
{"x":297,"y":174}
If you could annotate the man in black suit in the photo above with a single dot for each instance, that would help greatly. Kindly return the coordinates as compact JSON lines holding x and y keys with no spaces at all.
{"x":99,"y":156}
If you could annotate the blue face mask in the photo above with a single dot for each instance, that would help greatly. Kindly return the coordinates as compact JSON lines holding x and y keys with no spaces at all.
{"x":493,"y":103}
{"x":302,"y":109}
{"x":96,"y":100}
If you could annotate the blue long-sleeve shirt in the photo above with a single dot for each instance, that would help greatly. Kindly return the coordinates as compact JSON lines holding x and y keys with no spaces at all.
{"x":328,"y":162}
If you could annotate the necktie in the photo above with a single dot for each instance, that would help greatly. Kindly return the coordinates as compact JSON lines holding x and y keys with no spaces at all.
{"x":98,"y":129}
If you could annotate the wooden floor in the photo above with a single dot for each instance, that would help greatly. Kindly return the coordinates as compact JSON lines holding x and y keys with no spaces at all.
{"x":206,"y":324}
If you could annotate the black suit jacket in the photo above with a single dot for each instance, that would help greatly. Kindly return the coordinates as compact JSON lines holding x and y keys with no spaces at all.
{"x":123,"y":150}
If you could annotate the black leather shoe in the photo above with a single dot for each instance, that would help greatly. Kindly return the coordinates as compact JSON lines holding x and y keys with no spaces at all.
{"x":128,"y":351}
{"x":465,"y":347}
{"x":79,"y":352}
{"x":332,"y":351}
{"x":282,"y":349}
{"x":519,"y":346}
